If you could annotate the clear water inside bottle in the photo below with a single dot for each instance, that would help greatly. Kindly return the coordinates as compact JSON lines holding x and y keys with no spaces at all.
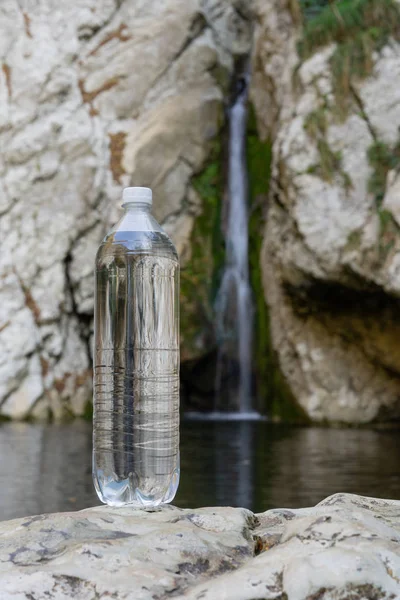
{"x":136,"y":369}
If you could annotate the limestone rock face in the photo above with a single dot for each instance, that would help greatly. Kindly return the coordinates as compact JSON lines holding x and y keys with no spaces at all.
{"x":331,"y":255}
{"x":94,"y":95}
{"x":345,"y":547}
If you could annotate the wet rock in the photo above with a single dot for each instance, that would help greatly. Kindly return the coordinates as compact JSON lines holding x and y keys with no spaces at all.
{"x":345,"y":547}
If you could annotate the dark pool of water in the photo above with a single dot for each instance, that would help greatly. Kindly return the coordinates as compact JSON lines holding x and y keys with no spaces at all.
{"x":47,"y":468}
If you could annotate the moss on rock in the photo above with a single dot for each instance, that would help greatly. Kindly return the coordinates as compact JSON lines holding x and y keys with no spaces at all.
{"x":200,"y":275}
{"x":383,"y":158}
{"x":358,"y":28}
{"x":87,"y":414}
{"x":330,"y":162}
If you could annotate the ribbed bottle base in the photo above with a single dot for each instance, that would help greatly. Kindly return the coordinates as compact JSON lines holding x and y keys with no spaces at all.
{"x":131,"y":491}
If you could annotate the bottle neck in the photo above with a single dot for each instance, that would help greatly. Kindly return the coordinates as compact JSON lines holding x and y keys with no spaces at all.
{"x":137,"y":217}
{"x":144,"y":207}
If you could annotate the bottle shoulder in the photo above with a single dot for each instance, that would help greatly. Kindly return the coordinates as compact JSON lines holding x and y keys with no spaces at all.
{"x":119,"y":242}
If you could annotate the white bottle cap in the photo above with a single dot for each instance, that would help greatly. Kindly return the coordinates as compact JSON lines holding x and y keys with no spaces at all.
{"x":137,"y":194}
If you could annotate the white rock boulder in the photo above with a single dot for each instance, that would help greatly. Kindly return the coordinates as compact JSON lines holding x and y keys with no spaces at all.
{"x":347,"y":547}
{"x":331,"y":254}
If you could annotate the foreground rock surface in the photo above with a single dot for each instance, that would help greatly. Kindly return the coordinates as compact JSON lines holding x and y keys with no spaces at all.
{"x":345,"y":547}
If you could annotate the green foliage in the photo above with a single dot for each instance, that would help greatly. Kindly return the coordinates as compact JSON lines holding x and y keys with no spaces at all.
{"x":389,"y":233}
{"x":209,"y":186}
{"x":359,"y":28}
{"x":385,"y":217}
{"x":383,"y":159}
{"x":207,"y":256}
{"x":354,"y":240}
{"x":315,"y":124}
{"x":88,"y":411}
{"x":352,"y":59}
{"x":343,"y":20}
{"x":330,"y":162}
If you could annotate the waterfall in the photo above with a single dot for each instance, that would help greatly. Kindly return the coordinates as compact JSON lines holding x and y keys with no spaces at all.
{"x":234,"y":309}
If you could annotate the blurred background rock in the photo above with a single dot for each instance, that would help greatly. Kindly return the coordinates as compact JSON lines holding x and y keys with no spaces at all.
{"x":96,"y":95}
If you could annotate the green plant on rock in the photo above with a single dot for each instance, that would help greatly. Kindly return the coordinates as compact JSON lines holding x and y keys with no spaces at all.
{"x":383,"y":159}
{"x":389,"y":233}
{"x":353,"y":240}
{"x":342,"y":20}
{"x":358,"y":28}
{"x":330,"y":162}
{"x":207,"y":255}
{"x":316,"y":124}
{"x":88,"y":411}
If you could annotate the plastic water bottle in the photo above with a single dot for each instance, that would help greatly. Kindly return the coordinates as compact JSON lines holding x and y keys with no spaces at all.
{"x":136,"y":360}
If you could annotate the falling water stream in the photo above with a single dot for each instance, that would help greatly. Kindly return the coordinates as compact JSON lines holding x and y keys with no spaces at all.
{"x":234,"y":309}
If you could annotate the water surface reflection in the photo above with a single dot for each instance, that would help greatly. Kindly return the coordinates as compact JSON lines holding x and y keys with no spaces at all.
{"x":47,"y":468}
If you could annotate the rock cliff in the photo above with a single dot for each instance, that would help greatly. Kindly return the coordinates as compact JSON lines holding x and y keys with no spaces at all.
{"x":326,"y":93}
{"x":98,"y":95}
{"x":94,"y":96}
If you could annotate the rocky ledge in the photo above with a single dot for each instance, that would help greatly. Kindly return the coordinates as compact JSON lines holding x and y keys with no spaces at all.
{"x":345,"y":547}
